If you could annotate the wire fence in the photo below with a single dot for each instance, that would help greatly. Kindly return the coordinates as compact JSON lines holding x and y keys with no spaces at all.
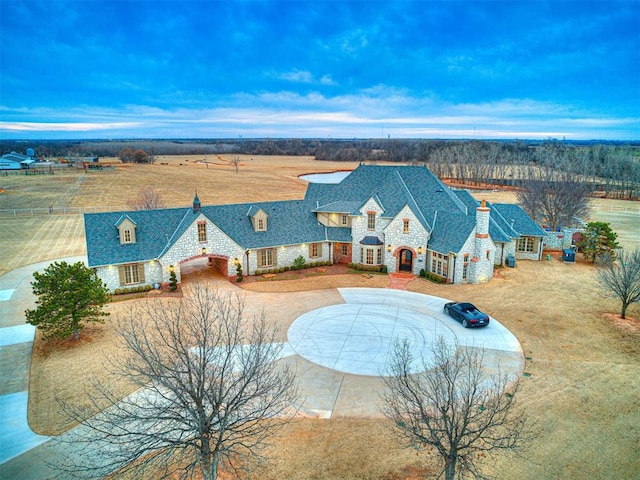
{"x":32,"y":212}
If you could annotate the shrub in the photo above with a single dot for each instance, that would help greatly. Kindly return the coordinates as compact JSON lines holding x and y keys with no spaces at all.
{"x":117,"y":291}
{"x":126,"y":290}
{"x":258,"y":272}
{"x":435,"y":278}
{"x":422,"y":273}
{"x":239,"y":275}
{"x":383,"y":269}
{"x":148,"y":288}
{"x":299,"y":263}
{"x":287,"y":268}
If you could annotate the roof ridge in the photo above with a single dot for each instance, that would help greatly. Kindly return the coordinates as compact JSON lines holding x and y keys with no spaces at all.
{"x":411,"y":197}
{"x":175,"y":230}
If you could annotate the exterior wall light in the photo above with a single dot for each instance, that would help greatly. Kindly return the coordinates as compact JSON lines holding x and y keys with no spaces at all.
{"x":204,"y":251}
{"x":171,"y":269}
{"x":419,"y":250}
{"x":389,"y":247}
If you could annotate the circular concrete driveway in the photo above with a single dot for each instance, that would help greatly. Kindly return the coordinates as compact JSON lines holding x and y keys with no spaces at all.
{"x":357,"y":337}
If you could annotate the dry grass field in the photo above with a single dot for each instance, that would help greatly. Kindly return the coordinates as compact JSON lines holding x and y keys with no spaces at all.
{"x":583,"y":361}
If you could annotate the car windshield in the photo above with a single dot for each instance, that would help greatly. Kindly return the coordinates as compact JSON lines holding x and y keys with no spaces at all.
{"x":467,"y":306}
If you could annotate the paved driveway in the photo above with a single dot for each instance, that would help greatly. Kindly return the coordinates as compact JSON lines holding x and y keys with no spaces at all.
{"x":338,"y":342}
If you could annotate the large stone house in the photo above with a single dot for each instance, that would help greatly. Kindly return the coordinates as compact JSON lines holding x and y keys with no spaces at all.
{"x":400,"y":217}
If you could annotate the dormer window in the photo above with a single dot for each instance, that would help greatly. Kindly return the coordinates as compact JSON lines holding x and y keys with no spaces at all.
{"x":126,"y":230}
{"x":259,"y":220}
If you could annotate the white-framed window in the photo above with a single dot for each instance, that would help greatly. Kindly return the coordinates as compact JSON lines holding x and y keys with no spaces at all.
{"x":369,"y":259}
{"x":345,"y":249}
{"x":315,"y":250}
{"x":371,"y":255}
{"x":131,"y":274}
{"x":126,"y":236}
{"x":202,"y":231}
{"x":267,"y":257}
{"x":371,"y":220}
{"x":344,"y":220}
{"x":405,"y":226}
{"x":439,"y":264}
{"x":261,"y":225}
{"x":525,"y":244}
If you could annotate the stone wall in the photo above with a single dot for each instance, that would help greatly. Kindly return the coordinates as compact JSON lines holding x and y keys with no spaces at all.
{"x":560,"y":240}
{"x":188,"y":246}
{"x":394,"y":236}
{"x":286,"y":256}
{"x":359,"y":229}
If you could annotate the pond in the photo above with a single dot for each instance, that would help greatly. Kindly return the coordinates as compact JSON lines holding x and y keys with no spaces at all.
{"x":335,"y":177}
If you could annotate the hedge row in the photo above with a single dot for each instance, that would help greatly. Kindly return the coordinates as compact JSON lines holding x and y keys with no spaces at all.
{"x":293,"y":267}
{"x":368,"y":268}
{"x":139,"y":288}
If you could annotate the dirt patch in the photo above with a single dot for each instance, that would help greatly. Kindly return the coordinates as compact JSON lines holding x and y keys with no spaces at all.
{"x":627,"y":325}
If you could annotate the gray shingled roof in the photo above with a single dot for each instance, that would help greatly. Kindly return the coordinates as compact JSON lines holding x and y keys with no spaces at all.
{"x":522,"y":223}
{"x":449,"y":215}
{"x":154,"y":229}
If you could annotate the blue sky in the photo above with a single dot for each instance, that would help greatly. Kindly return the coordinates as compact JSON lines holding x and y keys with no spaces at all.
{"x":399,"y":69}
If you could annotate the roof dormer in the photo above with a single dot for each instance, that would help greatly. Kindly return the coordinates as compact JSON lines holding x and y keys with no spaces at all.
{"x":258,"y":219}
{"x":126,"y":230}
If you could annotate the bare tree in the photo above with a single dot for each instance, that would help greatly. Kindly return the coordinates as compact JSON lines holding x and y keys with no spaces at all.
{"x":621,"y":277}
{"x":235,"y":163}
{"x":211,"y":392}
{"x":148,"y":198}
{"x":554,"y":195}
{"x":452,"y":405}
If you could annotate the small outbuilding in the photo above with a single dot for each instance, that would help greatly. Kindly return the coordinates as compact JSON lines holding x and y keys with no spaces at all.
{"x":568,"y":255}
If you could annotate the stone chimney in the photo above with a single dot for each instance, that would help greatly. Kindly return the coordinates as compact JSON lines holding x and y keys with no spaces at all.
{"x":482,"y":220}
{"x":482,"y":261}
{"x":196,"y":203}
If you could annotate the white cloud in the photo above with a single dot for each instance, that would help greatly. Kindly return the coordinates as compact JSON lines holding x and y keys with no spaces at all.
{"x":379,"y":111}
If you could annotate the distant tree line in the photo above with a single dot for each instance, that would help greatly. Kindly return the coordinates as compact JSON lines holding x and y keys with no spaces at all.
{"x":610,"y":168}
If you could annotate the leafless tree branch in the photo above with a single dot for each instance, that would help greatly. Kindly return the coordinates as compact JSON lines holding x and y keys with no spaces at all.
{"x":211,"y":392}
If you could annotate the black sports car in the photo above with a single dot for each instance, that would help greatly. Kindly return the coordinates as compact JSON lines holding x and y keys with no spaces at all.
{"x":466,"y":313}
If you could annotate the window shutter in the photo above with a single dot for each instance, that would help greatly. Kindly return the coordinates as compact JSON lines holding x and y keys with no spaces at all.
{"x":141,"y":272}
{"x":275,"y":257}
{"x":319,"y":249}
{"x":121,"y":274}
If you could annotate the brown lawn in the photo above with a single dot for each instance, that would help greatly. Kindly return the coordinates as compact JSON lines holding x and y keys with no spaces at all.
{"x":583,"y":361}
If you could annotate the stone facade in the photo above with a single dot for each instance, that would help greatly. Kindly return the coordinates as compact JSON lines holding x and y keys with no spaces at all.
{"x":560,"y":240}
{"x":415,"y":238}
{"x":286,"y":255}
{"x":188,"y":246}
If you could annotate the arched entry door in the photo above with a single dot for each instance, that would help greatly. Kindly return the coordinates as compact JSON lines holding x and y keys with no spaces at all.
{"x":406,"y":261}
